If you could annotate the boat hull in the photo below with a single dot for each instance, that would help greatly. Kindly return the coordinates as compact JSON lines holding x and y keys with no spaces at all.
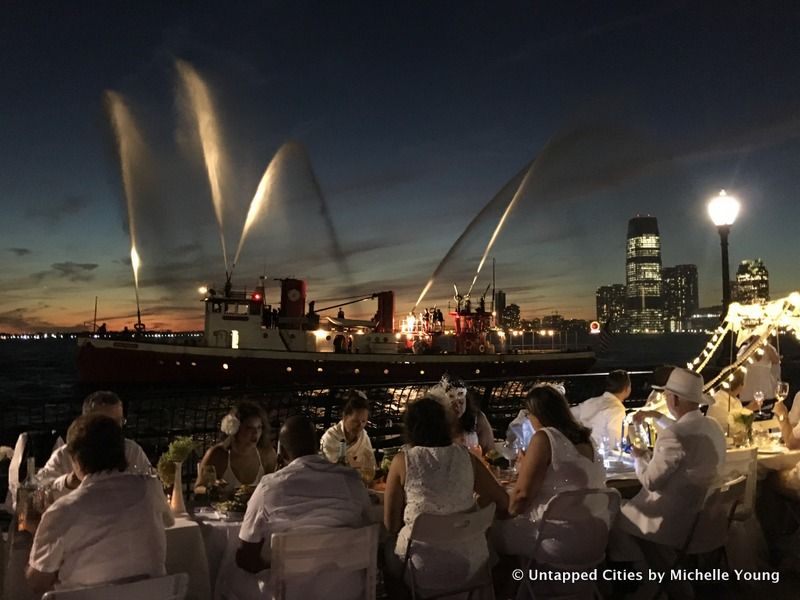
{"x":115,"y":361}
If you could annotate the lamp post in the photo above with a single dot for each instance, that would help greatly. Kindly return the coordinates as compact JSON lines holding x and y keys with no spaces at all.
{"x":723,"y":210}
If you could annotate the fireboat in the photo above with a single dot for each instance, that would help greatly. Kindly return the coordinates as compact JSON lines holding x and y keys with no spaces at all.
{"x":248,"y":341}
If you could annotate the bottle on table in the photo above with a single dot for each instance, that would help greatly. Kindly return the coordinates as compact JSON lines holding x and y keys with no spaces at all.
{"x":342,"y":458}
{"x":28,"y":509}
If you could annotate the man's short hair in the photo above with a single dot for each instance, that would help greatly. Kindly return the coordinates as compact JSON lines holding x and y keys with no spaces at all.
{"x":97,"y":443}
{"x":298,"y":437}
{"x":617,"y":381}
{"x":98,"y":399}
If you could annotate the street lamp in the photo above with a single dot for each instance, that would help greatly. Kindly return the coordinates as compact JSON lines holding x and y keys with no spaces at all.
{"x":723,"y":210}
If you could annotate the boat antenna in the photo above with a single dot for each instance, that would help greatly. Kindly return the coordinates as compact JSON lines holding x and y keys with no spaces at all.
{"x":493,"y":265}
{"x":94,"y":323}
{"x":228,"y":283}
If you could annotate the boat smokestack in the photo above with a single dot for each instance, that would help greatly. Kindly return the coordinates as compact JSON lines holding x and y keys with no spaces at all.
{"x":385,"y":314}
{"x":293,"y":298}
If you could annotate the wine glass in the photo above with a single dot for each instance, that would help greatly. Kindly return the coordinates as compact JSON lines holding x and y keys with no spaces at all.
{"x":758,"y":396}
{"x":781,"y":391}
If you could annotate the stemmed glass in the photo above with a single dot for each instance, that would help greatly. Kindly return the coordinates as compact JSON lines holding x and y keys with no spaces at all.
{"x":758,"y":396}
{"x":781,"y":391}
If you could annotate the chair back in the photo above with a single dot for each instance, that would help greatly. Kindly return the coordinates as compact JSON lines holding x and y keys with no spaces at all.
{"x":573,"y":531}
{"x":743,"y":461}
{"x":307,"y":562}
{"x":170,"y":587}
{"x":449,"y":531}
{"x":711,"y":526}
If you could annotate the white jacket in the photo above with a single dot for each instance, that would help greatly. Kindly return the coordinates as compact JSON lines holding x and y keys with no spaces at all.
{"x":604,"y":415}
{"x":685,"y":464}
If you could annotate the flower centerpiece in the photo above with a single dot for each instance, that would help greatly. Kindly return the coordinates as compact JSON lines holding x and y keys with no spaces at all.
{"x":740,"y":424}
{"x":178,"y":451}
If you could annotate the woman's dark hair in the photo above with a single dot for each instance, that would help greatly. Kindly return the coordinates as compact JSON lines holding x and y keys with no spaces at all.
{"x":356,"y":401}
{"x":96,"y":442}
{"x":246,"y":410}
{"x":469,"y":420}
{"x":549,"y":406}
{"x":426,"y":424}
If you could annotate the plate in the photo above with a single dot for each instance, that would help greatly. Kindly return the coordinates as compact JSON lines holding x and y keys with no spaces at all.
{"x":771,"y":450}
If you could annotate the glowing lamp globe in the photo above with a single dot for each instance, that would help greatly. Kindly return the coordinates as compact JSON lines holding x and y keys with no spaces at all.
{"x":723,"y":209}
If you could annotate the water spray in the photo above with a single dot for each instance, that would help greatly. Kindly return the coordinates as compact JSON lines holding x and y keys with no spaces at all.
{"x":202,"y":109}
{"x":517,"y":195}
{"x":135,"y":263}
{"x":129,"y":147}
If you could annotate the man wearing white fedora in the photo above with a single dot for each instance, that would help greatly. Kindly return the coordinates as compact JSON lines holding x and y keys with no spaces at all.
{"x":684,"y":464}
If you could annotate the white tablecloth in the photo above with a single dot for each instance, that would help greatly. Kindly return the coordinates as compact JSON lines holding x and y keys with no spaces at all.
{"x":186,"y":553}
{"x":777,"y":461}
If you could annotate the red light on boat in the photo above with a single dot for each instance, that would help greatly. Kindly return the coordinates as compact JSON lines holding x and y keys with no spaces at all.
{"x":256,"y":296}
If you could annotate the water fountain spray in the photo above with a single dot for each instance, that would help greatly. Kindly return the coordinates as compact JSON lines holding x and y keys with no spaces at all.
{"x":202,"y":110}
{"x":129,"y":148}
{"x":135,"y":263}
{"x":513,"y":184}
{"x":506,"y":212}
{"x":259,"y":201}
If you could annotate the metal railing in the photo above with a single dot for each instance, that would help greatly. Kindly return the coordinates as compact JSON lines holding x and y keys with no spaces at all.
{"x":155,"y":416}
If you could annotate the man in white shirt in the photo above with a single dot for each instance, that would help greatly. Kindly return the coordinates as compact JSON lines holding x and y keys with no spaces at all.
{"x":308,"y":492}
{"x":605,"y":415}
{"x":111,"y":529}
{"x":59,"y":471}
{"x":685,"y":463}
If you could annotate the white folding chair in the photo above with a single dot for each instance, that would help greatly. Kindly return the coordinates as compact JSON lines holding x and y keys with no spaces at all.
{"x":13,"y":473}
{"x":169,"y":587}
{"x":743,"y":461}
{"x":708,"y":533}
{"x":307,"y":562}
{"x":450,"y":531}
{"x":591,"y":512}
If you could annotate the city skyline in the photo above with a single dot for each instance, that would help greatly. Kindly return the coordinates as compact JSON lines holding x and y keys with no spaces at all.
{"x":410,"y":121}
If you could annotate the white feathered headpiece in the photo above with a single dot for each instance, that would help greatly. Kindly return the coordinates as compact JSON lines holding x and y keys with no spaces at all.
{"x":452,"y":394}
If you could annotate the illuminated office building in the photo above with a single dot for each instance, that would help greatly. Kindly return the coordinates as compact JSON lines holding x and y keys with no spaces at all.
{"x":681,"y":298}
{"x":644,"y":306}
{"x":752,"y":282}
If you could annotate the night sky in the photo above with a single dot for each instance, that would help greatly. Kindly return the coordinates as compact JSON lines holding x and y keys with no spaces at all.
{"x":412,"y":117}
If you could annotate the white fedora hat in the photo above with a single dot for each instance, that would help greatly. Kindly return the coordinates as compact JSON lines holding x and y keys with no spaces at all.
{"x":685,"y":384}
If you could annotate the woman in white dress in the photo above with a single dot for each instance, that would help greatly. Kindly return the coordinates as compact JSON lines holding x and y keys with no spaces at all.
{"x":436,"y":476}
{"x":244,"y":454}
{"x":560,"y":457}
{"x":358,"y":448}
{"x":469,"y":427}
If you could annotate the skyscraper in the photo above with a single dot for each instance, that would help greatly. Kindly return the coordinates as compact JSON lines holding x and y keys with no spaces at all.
{"x":752,"y":282}
{"x":644,"y":305}
{"x":681,"y":298}
{"x":611,"y":306}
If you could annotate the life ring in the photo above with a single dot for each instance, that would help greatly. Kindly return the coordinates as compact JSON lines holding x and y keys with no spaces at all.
{"x":482,"y":349}
{"x":468,"y":344}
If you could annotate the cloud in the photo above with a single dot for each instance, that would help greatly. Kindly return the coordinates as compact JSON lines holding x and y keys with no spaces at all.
{"x":22,"y":319}
{"x":20,"y":251}
{"x":53,"y":214}
{"x":72,"y":271}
